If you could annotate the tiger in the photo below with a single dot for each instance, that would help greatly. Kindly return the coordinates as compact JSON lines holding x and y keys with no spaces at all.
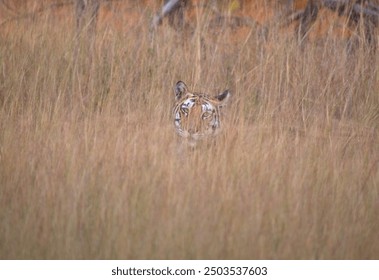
{"x":197,"y":115}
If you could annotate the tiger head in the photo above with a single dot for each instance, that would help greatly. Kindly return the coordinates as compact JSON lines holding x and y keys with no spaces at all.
{"x":197,"y":115}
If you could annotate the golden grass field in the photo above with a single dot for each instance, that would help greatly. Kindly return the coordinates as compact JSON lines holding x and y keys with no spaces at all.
{"x":91,"y":166}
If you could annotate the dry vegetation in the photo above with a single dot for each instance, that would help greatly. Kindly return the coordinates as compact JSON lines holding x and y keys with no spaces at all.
{"x":90,"y":165}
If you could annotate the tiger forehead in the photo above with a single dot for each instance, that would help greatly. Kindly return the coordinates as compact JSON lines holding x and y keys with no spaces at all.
{"x":196,"y":99}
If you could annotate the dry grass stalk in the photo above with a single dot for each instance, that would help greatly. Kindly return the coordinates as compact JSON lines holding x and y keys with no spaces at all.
{"x":293,"y":175}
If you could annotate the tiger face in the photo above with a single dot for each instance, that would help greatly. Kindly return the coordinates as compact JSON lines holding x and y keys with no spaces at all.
{"x":197,"y":115}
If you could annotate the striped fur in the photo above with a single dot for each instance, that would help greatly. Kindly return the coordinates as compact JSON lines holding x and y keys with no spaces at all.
{"x":197,"y":115}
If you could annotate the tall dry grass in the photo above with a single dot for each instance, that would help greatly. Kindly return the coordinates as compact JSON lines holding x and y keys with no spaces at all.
{"x":90,"y":166}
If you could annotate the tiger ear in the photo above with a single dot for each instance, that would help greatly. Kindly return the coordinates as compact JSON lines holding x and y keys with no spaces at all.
{"x":180,"y":89}
{"x":224,"y":97}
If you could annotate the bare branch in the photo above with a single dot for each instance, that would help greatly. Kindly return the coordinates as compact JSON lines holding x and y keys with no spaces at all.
{"x":35,"y":12}
{"x":346,"y":7}
{"x":169,"y":7}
